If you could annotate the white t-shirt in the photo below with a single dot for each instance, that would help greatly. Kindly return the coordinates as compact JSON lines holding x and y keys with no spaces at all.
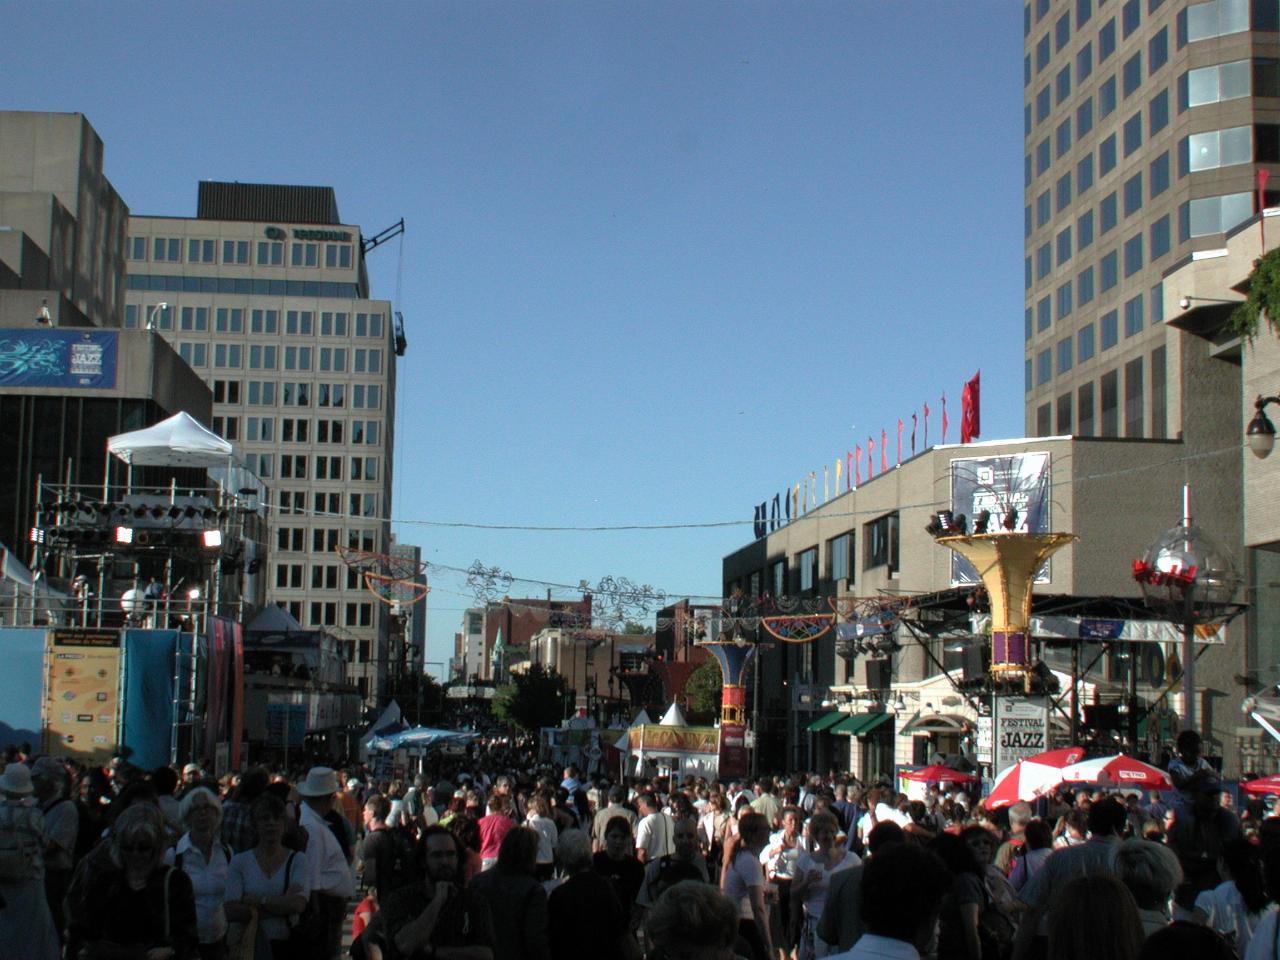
{"x":655,"y":836}
{"x":1262,"y":945}
{"x":245,"y":876}
{"x":884,"y":814}
{"x":1228,"y":914}
{"x":547,"y":833}
{"x":816,"y":893}
{"x":744,"y":873}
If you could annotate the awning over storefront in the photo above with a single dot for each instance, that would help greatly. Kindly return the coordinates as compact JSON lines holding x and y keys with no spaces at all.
{"x":928,"y":724}
{"x":826,"y":721}
{"x":859,"y":724}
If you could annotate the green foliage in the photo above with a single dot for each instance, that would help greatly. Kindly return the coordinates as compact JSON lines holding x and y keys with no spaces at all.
{"x":532,"y":700}
{"x":633,"y":629}
{"x":702,"y":693}
{"x":1263,"y":300}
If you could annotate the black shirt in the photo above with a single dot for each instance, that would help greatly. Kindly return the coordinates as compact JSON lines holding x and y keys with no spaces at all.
{"x":627,"y":875}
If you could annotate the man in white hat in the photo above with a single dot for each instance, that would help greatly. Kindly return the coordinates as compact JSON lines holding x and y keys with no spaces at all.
{"x":331,"y":875}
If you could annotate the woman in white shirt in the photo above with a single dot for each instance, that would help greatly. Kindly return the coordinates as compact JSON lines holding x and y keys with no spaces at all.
{"x":544,"y":826}
{"x":813,"y":875}
{"x":206,"y":860}
{"x":269,"y":879}
{"x":742,"y":880}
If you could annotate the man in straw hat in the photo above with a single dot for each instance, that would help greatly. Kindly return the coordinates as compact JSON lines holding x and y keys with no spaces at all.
{"x":332,"y":880}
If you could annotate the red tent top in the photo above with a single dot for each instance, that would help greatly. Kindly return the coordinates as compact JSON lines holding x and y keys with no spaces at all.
{"x":936,"y":773}
{"x":1262,"y":786}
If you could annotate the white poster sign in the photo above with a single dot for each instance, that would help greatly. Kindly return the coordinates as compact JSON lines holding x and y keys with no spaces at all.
{"x":1021,"y":729}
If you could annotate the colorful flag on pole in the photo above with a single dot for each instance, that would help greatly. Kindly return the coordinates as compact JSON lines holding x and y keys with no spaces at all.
{"x":795,"y":496}
{"x":848,"y":469}
{"x":884,"y":451}
{"x":836,"y":488}
{"x":773,"y":516}
{"x":913,"y":434}
{"x":971,"y":410}
{"x":900,"y":425}
{"x":826,"y":479}
{"x":857,"y":465}
{"x":926,"y":426}
{"x":787,"y":500}
{"x":945,"y":421}
{"x":871,"y":457}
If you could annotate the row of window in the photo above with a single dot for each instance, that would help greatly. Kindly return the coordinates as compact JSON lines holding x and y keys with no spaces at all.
{"x":1131,"y":75}
{"x":880,"y":542}
{"x":270,"y":253}
{"x":1079,"y":347}
{"x":297,"y":323}
{"x":165,"y":283}
{"x":324,"y":576}
{"x":1049,"y":203}
{"x":295,"y":466}
{"x":1075,"y":412}
{"x":328,"y":467}
{"x":363,"y":396}
{"x":231,"y":356}
{"x":323,"y":539}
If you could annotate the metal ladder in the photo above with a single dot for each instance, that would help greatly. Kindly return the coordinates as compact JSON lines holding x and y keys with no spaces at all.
{"x":183,"y":714}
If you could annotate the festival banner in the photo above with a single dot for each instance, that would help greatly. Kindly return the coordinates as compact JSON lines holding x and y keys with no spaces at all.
{"x":82,"y":694}
{"x":659,"y":739}
{"x":999,"y":484}
{"x":82,"y":359}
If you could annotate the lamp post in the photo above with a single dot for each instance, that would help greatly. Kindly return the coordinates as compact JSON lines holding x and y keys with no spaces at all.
{"x":1261,"y":432}
{"x":151,"y":314}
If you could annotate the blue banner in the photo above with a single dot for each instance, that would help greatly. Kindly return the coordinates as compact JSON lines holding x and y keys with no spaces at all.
{"x":148,"y":695}
{"x":84,"y":359}
{"x":21,"y":685}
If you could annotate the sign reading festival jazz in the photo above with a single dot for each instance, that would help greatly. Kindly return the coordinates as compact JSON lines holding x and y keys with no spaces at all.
{"x":1013,"y":482}
{"x":1021,"y":729}
{"x":83,"y":359}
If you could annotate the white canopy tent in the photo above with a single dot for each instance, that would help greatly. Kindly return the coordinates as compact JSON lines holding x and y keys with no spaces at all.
{"x":181,"y":441}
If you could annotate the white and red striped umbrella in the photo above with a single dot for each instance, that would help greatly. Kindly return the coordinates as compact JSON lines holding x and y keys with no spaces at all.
{"x":936,"y":773}
{"x":1262,"y":786}
{"x":1029,"y":778}
{"x":1118,"y":771}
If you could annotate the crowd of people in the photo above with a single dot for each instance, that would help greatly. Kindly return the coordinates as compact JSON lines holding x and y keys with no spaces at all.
{"x":491,"y":856}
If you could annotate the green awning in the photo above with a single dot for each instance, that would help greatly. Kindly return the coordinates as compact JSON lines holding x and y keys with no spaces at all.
{"x":859,"y":723}
{"x":826,"y":720}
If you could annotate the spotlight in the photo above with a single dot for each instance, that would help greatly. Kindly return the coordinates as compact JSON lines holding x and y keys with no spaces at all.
{"x":212,"y":538}
{"x":175,"y":512}
{"x":36,"y":535}
{"x":158,"y":511}
{"x":193,"y":593}
{"x":190,"y":512}
{"x":139,"y":512}
{"x":982,"y":521}
{"x":1010,"y":521}
{"x":124,"y":534}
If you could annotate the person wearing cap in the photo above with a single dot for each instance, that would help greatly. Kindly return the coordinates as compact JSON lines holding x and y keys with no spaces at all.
{"x":331,"y":876}
{"x":26,"y":926}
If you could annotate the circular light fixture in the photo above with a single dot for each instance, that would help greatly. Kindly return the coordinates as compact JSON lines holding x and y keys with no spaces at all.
{"x":1260,"y":434}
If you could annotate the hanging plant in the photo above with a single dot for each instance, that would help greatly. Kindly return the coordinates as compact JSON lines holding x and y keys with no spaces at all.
{"x":1263,"y":300}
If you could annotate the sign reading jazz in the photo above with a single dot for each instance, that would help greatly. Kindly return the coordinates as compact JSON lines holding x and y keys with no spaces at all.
{"x":82,"y":693}
{"x":1015,"y":485}
{"x":1021,"y":729}
{"x":84,"y":359}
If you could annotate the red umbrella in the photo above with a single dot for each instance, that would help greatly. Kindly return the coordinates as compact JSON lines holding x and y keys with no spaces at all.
{"x":1029,"y":778}
{"x":936,"y":773}
{"x":1262,"y":786}
{"x":1118,"y":771}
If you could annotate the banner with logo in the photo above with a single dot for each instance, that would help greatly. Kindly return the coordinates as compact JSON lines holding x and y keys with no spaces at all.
{"x":82,"y":694}
{"x":1021,"y":726}
{"x":1015,"y":482}
{"x":83,"y":359}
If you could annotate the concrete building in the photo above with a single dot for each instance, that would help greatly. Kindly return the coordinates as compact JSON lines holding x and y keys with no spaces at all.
{"x":265,"y":294}
{"x":1145,"y":125}
{"x":590,"y":661}
{"x":412,"y":650}
{"x":468,"y":647}
{"x":1116,"y":495}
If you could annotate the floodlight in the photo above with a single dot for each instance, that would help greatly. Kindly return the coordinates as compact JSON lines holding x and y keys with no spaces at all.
{"x":124,"y":534}
{"x":212,"y":538}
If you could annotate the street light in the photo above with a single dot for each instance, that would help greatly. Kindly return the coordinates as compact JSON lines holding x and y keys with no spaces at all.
{"x":151,"y":314}
{"x":1261,"y":432}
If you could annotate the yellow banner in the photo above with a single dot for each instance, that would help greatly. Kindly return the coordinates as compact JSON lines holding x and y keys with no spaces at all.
{"x":659,"y":739}
{"x":82,"y":693}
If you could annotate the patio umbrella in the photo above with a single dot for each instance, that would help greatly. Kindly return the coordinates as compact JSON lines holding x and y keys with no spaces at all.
{"x":1262,"y":786}
{"x":1029,"y":778}
{"x":1118,"y":771}
{"x":936,"y":773}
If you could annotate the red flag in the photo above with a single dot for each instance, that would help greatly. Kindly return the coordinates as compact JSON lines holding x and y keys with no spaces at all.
{"x":884,"y":451}
{"x":848,"y":470}
{"x":900,"y":440}
{"x":857,"y":464}
{"x":971,"y":410}
{"x":871,"y":458}
{"x":926,"y":426}
{"x":913,"y":434}
{"x":945,"y":421}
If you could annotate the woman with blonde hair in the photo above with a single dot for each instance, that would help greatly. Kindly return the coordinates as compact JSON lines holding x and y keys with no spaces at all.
{"x":540,"y":822}
{"x":131,"y":900}
{"x":813,"y":872}
{"x":205,"y":860}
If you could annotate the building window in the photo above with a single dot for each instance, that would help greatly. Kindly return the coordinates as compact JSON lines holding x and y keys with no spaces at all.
{"x":778,"y":578}
{"x":1133,"y":194}
{"x":337,"y":255}
{"x":1134,"y":397}
{"x":1044,"y":367}
{"x":1084,"y":118}
{"x":1107,"y":40}
{"x":1044,"y":261}
{"x":1028,"y":377}
{"x":1217,"y":18}
{"x":1043,"y":156}
{"x":1084,"y":10}
{"x":1158,"y":113}
{"x":195,"y":354}
{"x":1106,"y":97}
{"x":1108,"y":212}
{"x":1160,"y":174}
{"x":1158,"y":51}
{"x":1211,"y":215}
{"x":304,"y":255}
{"x":201,"y":251}
{"x":1107,"y":155}
{"x":1110,"y":404}
{"x":235,"y":251}
{"x":1159,"y":400}
{"x":1062,"y":32}
{"x":1064,"y":300}
{"x":1132,"y":133}
{"x":1066,"y":358}
{"x":137,"y":248}
{"x":1084,"y":286}
{"x":1064,"y":246}
{"x":1130,"y":17}
{"x":1133,"y":254}
{"x":1084,"y":62}
{"x":840,"y":557}
{"x":229,"y":355}
{"x":270,"y":254}
{"x":1062,"y":193}
{"x":1084,"y":410}
{"x":1133,"y":316}
{"x":1084,"y":343}
{"x":1131,"y":74}
{"x":1161,"y":237}
{"x":1044,"y":420}
{"x":1064,"y":416}
{"x":194,"y":318}
{"x":1042,"y":53}
{"x":1110,"y":326}
{"x":881,"y":536}
{"x":808,"y":568}
{"x":229,"y":320}
{"x":264,"y":321}
{"x":1084,"y":230}
{"x":167,"y":249}
{"x":1062,"y":84}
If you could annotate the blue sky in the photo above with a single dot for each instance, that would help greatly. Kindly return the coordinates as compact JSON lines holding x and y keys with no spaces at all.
{"x":661,"y":260}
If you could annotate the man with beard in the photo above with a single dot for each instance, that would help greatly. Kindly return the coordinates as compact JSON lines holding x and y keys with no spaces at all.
{"x":435,"y":919}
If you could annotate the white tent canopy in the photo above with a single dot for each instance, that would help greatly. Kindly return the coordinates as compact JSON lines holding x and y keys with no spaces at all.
{"x":179,"y":441}
{"x":674,"y":717}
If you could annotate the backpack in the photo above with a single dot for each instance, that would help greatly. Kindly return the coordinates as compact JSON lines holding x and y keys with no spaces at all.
{"x":21,"y":856}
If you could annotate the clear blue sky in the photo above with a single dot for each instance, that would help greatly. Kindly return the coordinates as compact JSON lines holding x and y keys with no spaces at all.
{"x":662,"y":259}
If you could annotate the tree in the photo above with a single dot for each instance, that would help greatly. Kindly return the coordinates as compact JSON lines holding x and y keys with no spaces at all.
{"x":702,"y":692}
{"x":532,"y":700}
{"x":633,"y":629}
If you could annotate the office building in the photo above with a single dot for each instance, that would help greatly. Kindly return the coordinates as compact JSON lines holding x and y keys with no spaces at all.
{"x":1145,"y":125}
{"x":264,"y":293}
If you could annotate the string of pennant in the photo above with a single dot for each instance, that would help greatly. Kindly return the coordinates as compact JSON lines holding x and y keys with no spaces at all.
{"x":801,"y":497}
